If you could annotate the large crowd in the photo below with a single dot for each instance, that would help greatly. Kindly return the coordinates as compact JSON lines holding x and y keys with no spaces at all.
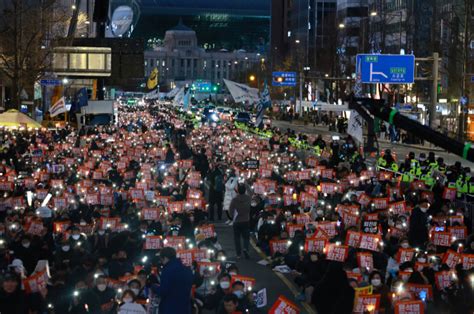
{"x":119,"y":219}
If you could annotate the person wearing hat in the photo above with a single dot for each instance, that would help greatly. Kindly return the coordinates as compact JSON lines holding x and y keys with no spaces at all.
{"x":176,"y":281}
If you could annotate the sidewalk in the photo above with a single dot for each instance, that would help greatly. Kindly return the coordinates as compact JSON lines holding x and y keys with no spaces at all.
{"x":400,"y":149}
{"x":324,"y":131}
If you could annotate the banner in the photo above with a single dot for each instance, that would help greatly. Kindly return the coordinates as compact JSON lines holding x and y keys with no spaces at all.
{"x":264,"y":103}
{"x":283,"y":306}
{"x":179,"y":98}
{"x":152,"y":82}
{"x":355,"y":125}
{"x":241,"y":92}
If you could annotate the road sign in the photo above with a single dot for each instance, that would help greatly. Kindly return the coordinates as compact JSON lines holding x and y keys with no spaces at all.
{"x":472,"y":79}
{"x":464,"y":100}
{"x":391,"y":69}
{"x":51,"y":82}
{"x":284,"y":79}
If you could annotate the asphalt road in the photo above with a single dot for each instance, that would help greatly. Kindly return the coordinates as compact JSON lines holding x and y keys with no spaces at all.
{"x":400,"y":149}
{"x":265,"y":277}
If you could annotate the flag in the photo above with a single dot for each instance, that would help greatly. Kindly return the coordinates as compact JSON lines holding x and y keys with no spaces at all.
{"x":80,"y":100}
{"x":58,"y":107}
{"x":152,"y":82}
{"x":354,"y":127}
{"x":178,"y":98}
{"x":241,"y":92}
{"x":186,"y":99}
{"x":264,"y":103}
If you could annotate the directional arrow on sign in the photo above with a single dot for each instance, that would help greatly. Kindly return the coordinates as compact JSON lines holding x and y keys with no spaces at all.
{"x":372,"y":72}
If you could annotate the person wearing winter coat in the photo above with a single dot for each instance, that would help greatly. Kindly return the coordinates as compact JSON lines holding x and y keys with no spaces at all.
{"x":333,"y":294}
{"x":176,"y":281}
{"x":230,"y":193}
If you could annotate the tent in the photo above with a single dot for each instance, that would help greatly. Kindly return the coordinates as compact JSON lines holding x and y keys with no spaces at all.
{"x":14,"y":119}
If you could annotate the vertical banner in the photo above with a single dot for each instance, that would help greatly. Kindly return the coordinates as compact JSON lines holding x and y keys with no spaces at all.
{"x":94,"y":90}
{"x":354,"y":127}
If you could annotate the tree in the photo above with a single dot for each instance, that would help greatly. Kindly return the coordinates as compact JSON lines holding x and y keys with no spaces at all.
{"x":27,"y":29}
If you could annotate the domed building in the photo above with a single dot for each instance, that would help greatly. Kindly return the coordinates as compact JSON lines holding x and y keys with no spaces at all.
{"x":181,"y":60}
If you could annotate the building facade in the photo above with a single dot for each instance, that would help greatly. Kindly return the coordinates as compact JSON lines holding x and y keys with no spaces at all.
{"x":304,"y":30}
{"x":180,"y":59}
{"x":231,"y":25}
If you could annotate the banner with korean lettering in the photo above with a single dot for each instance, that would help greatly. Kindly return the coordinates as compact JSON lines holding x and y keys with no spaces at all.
{"x":367,"y":303}
{"x":36,"y":282}
{"x":336,"y":252}
{"x":283,"y":306}
{"x":409,"y":307}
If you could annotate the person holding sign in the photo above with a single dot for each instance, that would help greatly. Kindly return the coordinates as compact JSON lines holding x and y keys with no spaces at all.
{"x":240,"y":211}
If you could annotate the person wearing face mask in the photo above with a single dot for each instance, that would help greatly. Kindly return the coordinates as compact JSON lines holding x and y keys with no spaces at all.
{"x":222,"y":289}
{"x":129,"y":306}
{"x":64,"y":255}
{"x":79,"y":240}
{"x":375,"y":279}
{"x":418,"y":229}
{"x":100,"y":241}
{"x":105,"y":295}
{"x":136,"y":287}
{"x":238,"y":289}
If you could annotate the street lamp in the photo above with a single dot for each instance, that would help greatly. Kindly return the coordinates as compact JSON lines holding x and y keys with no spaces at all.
{"x":373,"y":13}
{"x":297,"y":41}
{"x":252,"y":78}
{"x":342,"y":25}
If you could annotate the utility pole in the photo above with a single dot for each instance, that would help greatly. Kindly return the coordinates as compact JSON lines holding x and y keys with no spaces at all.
{"x":434,"y":89}
{"x":299,"y":106}
{"x":73,"y":23}
{"x":462,"y":128}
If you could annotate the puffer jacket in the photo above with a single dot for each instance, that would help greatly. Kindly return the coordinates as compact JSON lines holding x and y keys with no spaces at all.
{"x":230,"y":192}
